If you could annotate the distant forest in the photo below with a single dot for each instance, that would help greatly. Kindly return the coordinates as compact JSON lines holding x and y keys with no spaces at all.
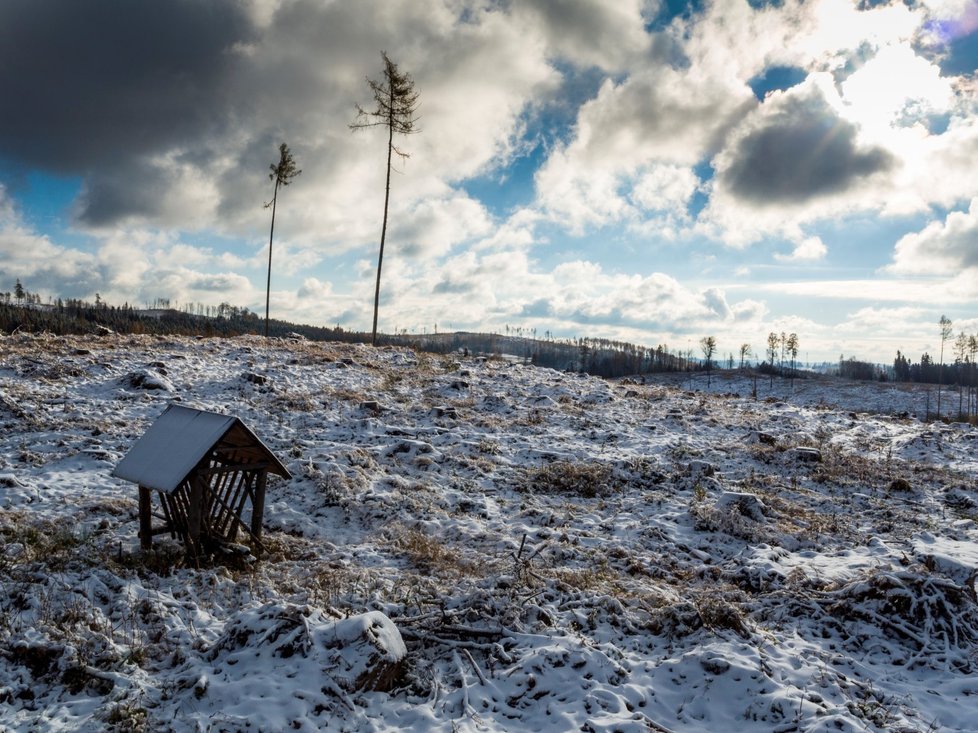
{"x":601,"y":357}
{"x":961,"y":372}
{"x":24,"y":311}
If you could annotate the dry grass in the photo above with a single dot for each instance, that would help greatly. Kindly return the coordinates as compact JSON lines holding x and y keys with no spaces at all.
{"x":431,"y":556}
{"x":588,"y":480}
{"x":719,"y":613}
{"x":26,"y":542}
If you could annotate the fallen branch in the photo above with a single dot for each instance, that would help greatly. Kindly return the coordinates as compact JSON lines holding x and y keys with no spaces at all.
{"x":475,"y":667}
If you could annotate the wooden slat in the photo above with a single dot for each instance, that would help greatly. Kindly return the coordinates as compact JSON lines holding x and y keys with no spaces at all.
{"x":208,"y":506}
{"x":196,"y":527}
{"x":174,"y":524}
{"x":240,"y":523}
{"x":224,"y":522}
{"x":246,"y":493}
{"x":179,"y":516}
{"x":165,"y":503}
{"x":180,"y":506}
{"x":219,"y":487}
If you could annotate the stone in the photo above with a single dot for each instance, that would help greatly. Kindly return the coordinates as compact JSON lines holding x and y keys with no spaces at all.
{"x":900,"y":484}
{"x":759,"y":436}
{"x":806,"y":454}
{"x":748,"y":505}
{"x":701,"y":468}
{"x":715,"y":665}
{"x":258,"y":379}
{"x":147,"y":379}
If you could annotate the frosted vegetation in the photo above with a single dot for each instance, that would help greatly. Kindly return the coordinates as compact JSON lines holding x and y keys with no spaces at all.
{"x":472,"y":544}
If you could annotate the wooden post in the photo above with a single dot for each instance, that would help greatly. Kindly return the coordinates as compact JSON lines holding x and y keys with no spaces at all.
{"x":145,"y":519}
{"x":194,"y":513}
{"x":258,"y":506}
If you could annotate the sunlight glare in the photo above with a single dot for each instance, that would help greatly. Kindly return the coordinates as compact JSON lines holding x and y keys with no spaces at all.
{"x":840,"y":28}
{"x":894,"y":88}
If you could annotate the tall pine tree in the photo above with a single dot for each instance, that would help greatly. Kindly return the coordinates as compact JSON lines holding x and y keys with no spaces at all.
{"x":282,"y":173}
{"x":397,"y":102}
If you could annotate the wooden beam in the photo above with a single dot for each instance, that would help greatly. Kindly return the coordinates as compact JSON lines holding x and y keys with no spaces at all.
{"x":194,"y":517}
{"x":258,"y":505}
{"x":231,"y":467}
{"x":145,"y":518}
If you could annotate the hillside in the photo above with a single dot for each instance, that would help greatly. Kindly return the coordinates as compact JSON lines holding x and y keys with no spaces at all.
{"x":506,"y":547}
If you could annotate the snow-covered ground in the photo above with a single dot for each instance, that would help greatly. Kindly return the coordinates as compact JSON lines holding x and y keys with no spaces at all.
{"x":892,"y":398}
{"x":504,"y":547}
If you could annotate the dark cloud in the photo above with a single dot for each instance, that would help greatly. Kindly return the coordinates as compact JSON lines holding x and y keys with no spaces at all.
{"x":449,"y":285}
{"x":86,"y":83}
{"x":131,"y":187}
{"x":541,"y":308}
{"x":588,"y":33}
{"x":802,"y":150}
{"x":215,"y":283}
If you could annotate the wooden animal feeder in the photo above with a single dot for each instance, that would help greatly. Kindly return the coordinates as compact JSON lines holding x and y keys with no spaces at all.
{"x":209,"y":472}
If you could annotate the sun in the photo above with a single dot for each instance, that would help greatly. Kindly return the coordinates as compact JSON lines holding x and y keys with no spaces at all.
{"x":894,"y":90}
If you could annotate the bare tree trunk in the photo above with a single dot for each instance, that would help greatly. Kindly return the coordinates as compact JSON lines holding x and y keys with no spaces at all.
{"x":972,"y":392}
{"x":271,"y":233}
{"x":383,"y":230}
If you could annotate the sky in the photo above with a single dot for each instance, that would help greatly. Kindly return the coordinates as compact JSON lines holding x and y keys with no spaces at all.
{"x":655,"y":171}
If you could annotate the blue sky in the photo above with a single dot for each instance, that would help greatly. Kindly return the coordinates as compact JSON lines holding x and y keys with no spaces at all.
{"x":648,"y":170}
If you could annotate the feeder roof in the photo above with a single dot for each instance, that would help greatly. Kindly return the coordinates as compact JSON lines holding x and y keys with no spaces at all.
{"x":180,"y":438}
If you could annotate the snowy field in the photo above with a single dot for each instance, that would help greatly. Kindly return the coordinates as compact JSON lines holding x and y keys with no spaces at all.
{"x":498,"y":547}
{"x":814,"y":390}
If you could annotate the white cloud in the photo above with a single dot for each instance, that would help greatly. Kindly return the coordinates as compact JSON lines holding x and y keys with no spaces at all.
{"x":676,"y":114}
{"x":313,"y":288}
{"x":916,"y":291}
{"x":658,"y":116}
{"x":886,"y":321}
{"x":432,"y":227}
{"x":895,"y":84}
{"x":941,"y":248}
{"x":39,"y":263}
{"x":664,"y":188}
{"x":588,"y":33}
{"x":809,"y":249}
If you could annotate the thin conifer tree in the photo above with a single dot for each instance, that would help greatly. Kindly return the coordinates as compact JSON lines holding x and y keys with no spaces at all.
{"x":792,"y":346}
{"x":708,"y":344}
{"x":772,"y":352}
{"x":744,"y":353}
{"x":282,"y":173}
{"x":945,"y":324}
{"x":397,"y":103}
